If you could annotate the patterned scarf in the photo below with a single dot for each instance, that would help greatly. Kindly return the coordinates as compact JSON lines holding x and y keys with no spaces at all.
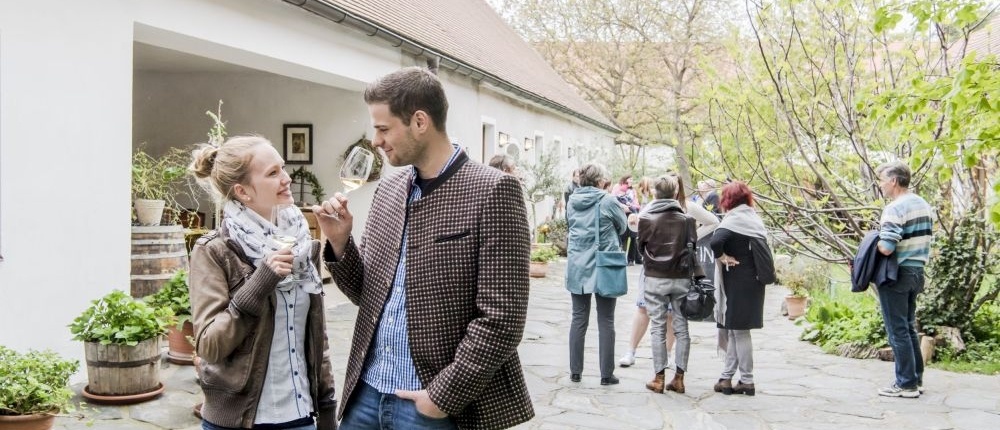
{"x":253,"y":233}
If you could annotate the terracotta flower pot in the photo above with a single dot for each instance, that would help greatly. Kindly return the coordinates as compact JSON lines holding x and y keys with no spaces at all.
{"x":538,"y":270}
{"x":181,"y":351}
{"x":796,"y":306}
{"x":27,"y":422}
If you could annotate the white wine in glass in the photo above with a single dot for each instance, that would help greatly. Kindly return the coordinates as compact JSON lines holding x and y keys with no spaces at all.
{"x":284,"y":236}
{"x":356,"y":169}
{"x":284,"y":231}
{"x":283,"y":241}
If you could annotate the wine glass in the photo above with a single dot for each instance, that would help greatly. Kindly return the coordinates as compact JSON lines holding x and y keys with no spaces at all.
{"x":356,"y":169}
{"x":285,"y":230}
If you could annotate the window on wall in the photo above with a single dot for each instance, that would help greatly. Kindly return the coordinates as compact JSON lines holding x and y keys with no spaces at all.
{"x":539,"y":146}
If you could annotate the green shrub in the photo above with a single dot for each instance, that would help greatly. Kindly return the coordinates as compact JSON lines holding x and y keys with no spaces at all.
{"x":982,"y":352}
{"x":175,"y":296}
{"x":118,"y":318}
{"x":34,"y":382}
{"x":558,"y":231}
{"x":544,"y":254}
{"x":844,"y":319}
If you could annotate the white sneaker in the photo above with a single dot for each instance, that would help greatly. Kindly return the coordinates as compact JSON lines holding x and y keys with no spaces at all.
{"x":627,"y":360}
{"x":896,"y":391}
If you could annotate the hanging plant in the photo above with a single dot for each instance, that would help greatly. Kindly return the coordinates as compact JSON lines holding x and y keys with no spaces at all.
{"x":376,"y":165}
{"x":304,"y":178}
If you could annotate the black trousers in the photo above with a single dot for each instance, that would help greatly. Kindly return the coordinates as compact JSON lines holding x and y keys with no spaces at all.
{"x":629,"y":241}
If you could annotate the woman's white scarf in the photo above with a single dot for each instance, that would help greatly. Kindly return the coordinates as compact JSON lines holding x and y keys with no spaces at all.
{"x":254,"y":233}
{"x":744,"y":220}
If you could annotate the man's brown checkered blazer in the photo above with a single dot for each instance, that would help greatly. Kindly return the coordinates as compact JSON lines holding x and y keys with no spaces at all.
{"x":466,"y":289}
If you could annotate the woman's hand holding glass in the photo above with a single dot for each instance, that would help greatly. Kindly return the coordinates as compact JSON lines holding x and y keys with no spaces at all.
{"x":283,"y":240}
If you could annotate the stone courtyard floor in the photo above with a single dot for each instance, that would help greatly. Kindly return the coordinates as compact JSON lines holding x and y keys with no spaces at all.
{"x":798,"y":386}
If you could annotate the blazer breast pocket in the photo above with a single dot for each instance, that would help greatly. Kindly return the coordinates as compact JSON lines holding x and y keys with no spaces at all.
{"x":451,"y":237}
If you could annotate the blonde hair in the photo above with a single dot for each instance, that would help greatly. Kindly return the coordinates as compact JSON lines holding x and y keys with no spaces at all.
{"x":219,"y":168}
{"x":644,"y":190}
{"x":671,"y":186}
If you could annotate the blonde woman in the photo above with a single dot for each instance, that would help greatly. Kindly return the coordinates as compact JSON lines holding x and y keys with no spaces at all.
{"x":261,"y":337}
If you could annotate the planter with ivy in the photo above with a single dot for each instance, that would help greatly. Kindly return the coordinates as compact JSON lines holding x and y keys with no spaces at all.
{"x":34,"y":387}
{"x":121,"y":338}
{"x":540,"y":259}
{"x":175,"y":297}
{"x":303,"y":180}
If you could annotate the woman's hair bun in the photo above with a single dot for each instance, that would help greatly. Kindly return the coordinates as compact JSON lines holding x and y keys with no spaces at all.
{"x":204,"y":160}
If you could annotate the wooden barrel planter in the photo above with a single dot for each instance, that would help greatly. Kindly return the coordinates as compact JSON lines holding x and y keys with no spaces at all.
{"x":123,"y":374}
{"x":157,"y":252}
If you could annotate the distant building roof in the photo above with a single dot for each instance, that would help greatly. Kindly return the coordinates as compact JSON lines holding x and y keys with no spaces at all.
{"x":985,"y":39}
{"x":470,"y":38}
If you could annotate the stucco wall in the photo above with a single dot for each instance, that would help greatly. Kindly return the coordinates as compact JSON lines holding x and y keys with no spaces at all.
{"x":72,"y":107}
{"x":65,"y":136}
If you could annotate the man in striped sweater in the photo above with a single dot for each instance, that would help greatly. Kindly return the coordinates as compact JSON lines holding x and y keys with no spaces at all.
{"x":906,"y":234}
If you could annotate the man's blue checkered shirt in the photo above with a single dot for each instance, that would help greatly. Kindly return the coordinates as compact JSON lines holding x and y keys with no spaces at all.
{"x":389,"y":366}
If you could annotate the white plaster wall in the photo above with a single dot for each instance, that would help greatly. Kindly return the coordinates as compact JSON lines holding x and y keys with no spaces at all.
{"x":66,"y":80}
{"x":270,"y":35}
{"x":170,"y":111}
{"x":520,"y":120}
{"x":65,"y":136}
{"x":66,"y":127}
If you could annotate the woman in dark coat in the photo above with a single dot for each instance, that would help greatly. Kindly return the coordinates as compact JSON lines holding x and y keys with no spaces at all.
{"x":740,"y":294}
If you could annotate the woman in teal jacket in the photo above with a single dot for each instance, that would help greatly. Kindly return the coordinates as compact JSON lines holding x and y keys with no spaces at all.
{"x":590,"y":206}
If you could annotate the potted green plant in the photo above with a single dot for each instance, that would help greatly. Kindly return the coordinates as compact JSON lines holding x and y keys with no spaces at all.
{"x":540,"y":259}
{"x":174,"y":296}
{"x":121,"y":337}
{"x":154,"y":183}
{"x":798,"y":295}
{"x":34,"y":387}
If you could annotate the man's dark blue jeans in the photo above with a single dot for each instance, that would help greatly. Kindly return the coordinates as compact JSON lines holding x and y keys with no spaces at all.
{"x":371,"y":410}
{"x":899,"y":306}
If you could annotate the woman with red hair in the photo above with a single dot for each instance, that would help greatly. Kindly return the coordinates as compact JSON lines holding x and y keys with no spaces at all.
{"x":743,"y":266}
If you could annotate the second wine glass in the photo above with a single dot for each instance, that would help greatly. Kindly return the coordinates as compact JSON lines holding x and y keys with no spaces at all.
{"x":356,"y":169}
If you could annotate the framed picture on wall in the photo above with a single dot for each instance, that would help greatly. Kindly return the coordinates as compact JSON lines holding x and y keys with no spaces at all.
{"x":298,"y":148}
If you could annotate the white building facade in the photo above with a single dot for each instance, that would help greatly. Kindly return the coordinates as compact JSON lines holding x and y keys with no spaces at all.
{"x":83,"y":83}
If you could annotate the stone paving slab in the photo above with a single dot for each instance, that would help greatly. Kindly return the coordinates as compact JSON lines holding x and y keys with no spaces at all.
{"x":798,"y":386}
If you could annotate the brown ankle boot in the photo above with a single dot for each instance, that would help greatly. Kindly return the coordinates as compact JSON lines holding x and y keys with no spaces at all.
{"x":677,"y":384}
{"x":656,"y":385}
{"x":747,"y":389}
{"x":724,"y":386}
